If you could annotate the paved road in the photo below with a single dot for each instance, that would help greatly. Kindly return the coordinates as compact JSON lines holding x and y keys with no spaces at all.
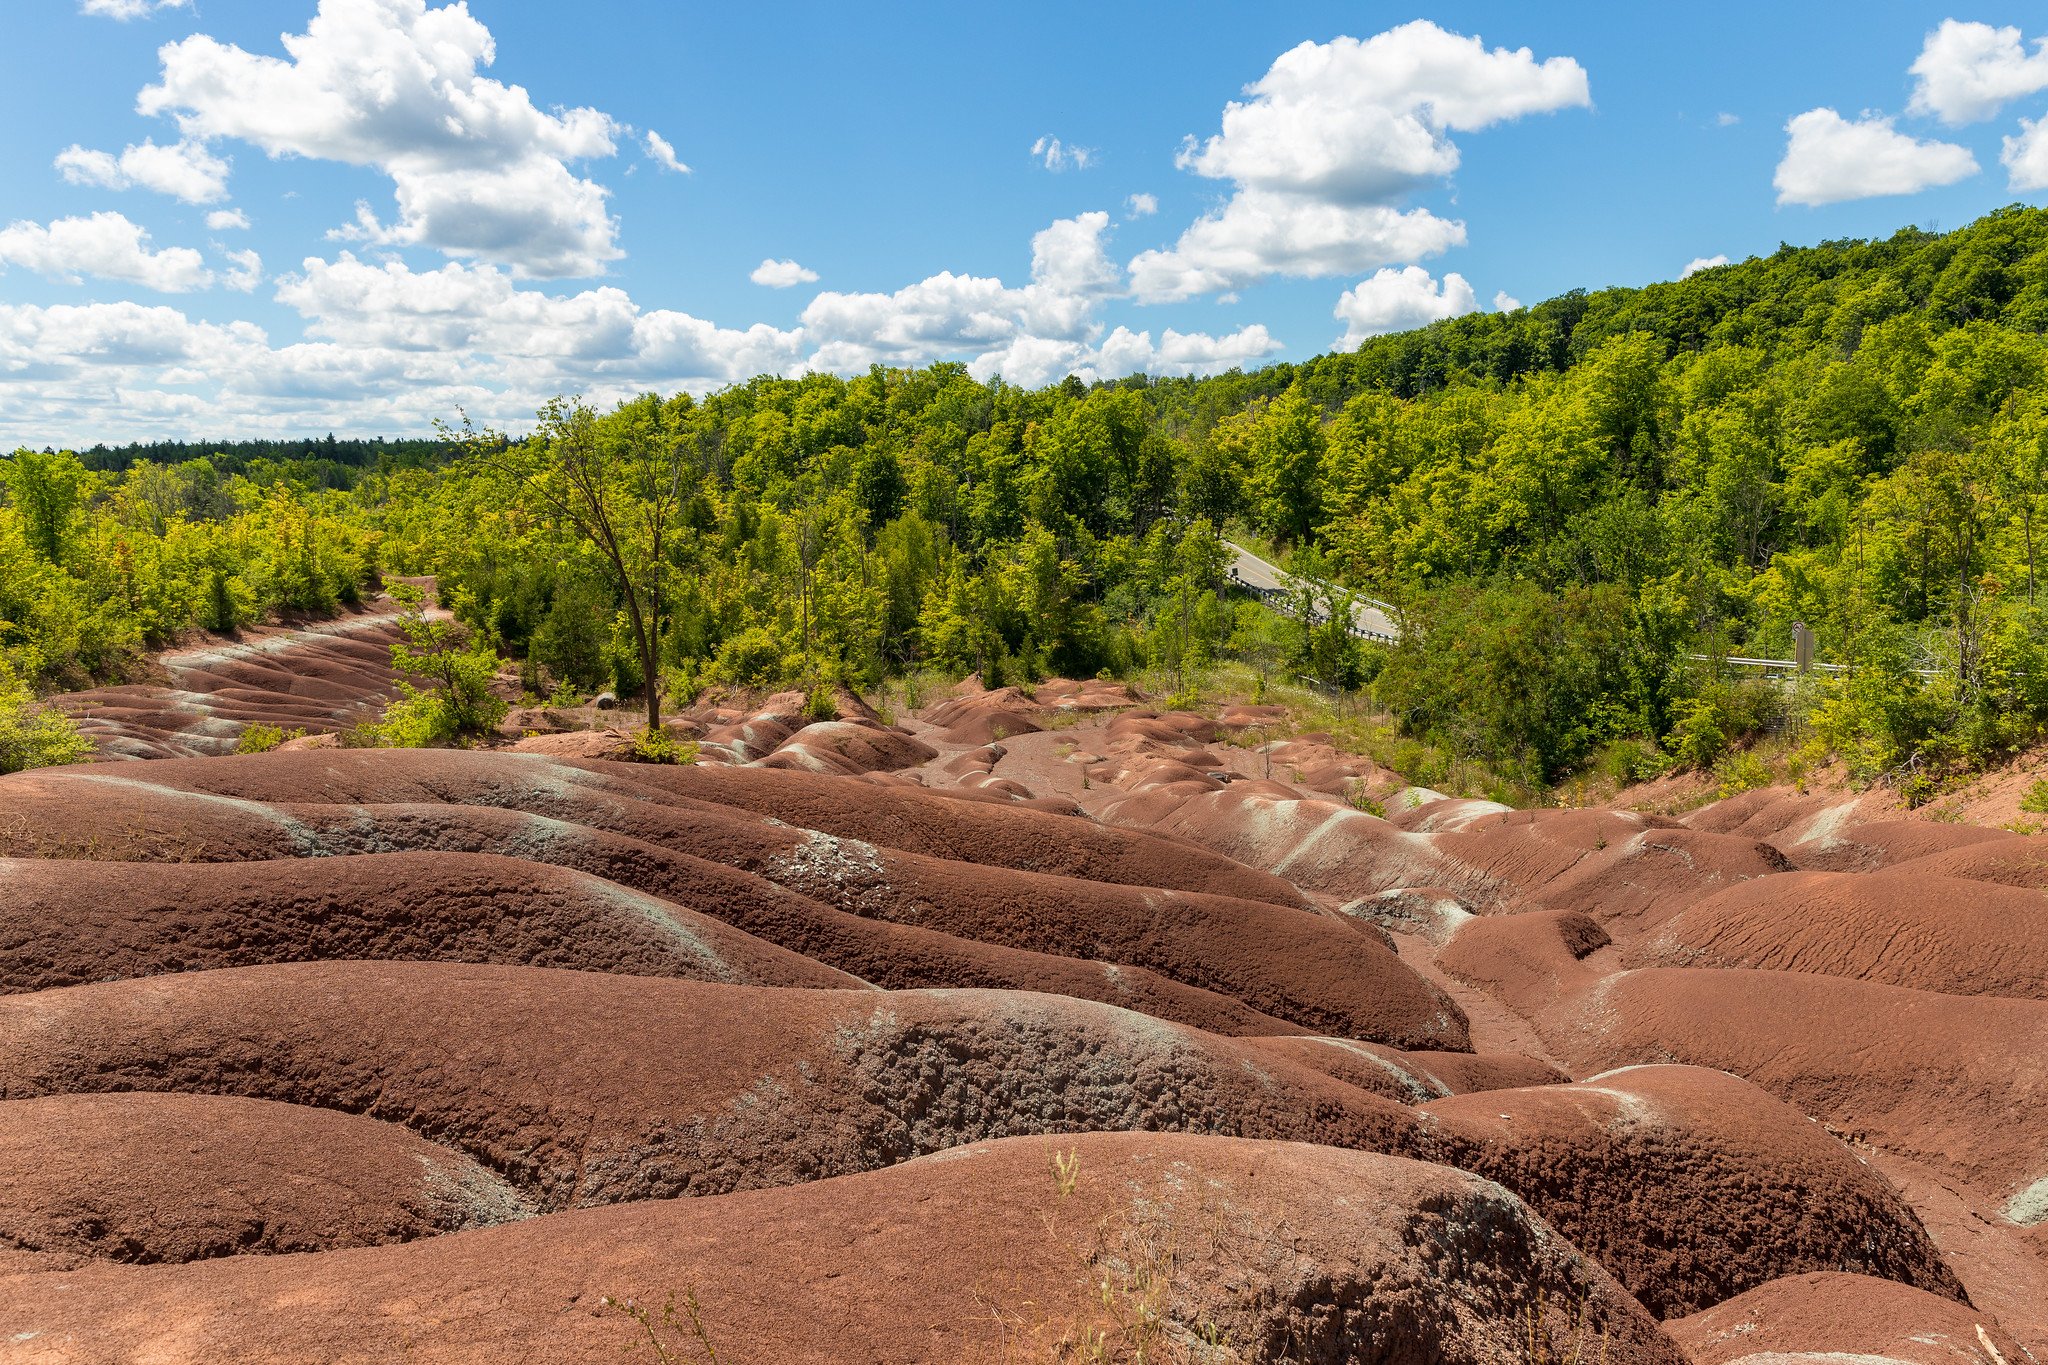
{"x":1368,"y":618}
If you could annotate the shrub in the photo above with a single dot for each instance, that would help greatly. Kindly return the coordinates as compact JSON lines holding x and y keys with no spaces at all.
{"x":1741,"y":771}
{"x":659,"y":746}
{"x":2035,"y":802}
{"x":460,"y":702}
{"x":261,"y":739}
{"x":1698,"y":739}
{"x":820,"y":703}
{"x":34,"y":736}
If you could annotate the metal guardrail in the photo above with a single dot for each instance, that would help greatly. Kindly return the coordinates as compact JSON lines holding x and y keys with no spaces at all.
{"x":1792,"y":665}
{"x":1276,"y":597}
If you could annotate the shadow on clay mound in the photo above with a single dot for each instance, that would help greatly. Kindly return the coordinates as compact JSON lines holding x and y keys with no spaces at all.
{"x":169,"y":1178}
{"x":984,"y":1253}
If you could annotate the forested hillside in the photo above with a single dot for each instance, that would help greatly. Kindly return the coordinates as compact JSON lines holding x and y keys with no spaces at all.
{"x":1565,"y":502}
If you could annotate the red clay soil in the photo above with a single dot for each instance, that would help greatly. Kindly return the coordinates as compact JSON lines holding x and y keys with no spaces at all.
{"x":1318,"y":845}
{"x":2021,"y":862}
{"x":69,"y":923}
{"x":1528,"y":961}
{"x":160,"y":822}
{"x":2004,"y":1267}
{"x":915,"y":821}
{"x":849,"y":748}
{"x":1313,"y":971}
{"x":904,"y":818}
{"x":1960,"y":1083}
{"x":1822,"y":1316}
{"x":1909,"y":928}
{"x":1625,"y":869}
{"x":1411,"y":1077}
{"x":881,"y":953}
{"x":1887,"y":843}
{"x":321,"y":677}
{"x":1689,"y":1185}
{"x":983,"y":717}
{"x":581,"y":1088}
{"x":167,"y":1177}
{"x":972,"y":1255}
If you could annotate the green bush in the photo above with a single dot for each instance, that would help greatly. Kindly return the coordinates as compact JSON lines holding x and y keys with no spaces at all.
{"x":820,"y":703}
{"x":1741,"y":771}
{"x":659,"y":746}
{"x":34,"y":736}
{"x":1698,"y":739}
{"x":261,"y":739}
{"x":2035,"y":802}
{"x":460,"y":703}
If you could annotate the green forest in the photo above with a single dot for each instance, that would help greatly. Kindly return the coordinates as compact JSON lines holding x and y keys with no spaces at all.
{"x":1577,"y":509}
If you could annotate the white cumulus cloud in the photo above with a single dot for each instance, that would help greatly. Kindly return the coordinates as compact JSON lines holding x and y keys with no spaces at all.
{"x":1331,"y":139}
{"x":105,"y":246}
{"x":1394,"y":300}
{"x":227,"y":220}
{"x":1055,"y":155}
{"x":477,"y":170}
{"x":1140,"y":206}
{"x":245,"y":270}
{"x":1967,"y":72}
{"x":1699,"y":263}
{"x":185,"y":169}
{"x":128,"y":9}
{"x":2025,"y":157}
{"x":1260,"y":233}
{"x":663,"y":152}
{"x":1504,"y":302}
{"x":782,"y":274}
{"x":1829,"y":159}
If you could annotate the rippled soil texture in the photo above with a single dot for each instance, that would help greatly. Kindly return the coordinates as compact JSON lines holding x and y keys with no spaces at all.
{"x":1041,"y":1027}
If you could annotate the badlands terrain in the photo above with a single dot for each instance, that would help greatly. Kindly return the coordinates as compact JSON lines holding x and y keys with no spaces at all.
{"x":1028,"y":1027}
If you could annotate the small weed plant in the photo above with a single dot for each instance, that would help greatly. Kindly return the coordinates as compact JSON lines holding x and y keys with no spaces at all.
{"x":674,"y":1336}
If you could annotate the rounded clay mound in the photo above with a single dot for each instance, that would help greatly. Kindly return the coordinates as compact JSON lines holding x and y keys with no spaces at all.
{"x":1883,"y":843}
{"x":170,"y":1177}
{"x":849,"y":748}
{"x":1318,"y":845}
{"x":1958,"y":1082}
{"x":582,"y":1088}
{"x":1913,"y":928}
{"x":1411,"y":1077}
{"x":914,"y":821}
{"x":317,"y":678}
{"x":983,"y":1253}
{"x":2021,"y":861}
{"x":1527,"y":961}
{"x":1691,"y":1186}
{"x":1836,"y":1317}
{"x":876,"y":951}
{"x":68,"y":923}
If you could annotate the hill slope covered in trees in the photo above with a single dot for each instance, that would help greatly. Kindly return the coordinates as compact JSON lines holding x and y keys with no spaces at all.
{"x":1566,"y":503}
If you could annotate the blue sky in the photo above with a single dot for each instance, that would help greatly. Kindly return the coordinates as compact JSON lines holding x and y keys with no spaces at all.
{"x":520,"y":235}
